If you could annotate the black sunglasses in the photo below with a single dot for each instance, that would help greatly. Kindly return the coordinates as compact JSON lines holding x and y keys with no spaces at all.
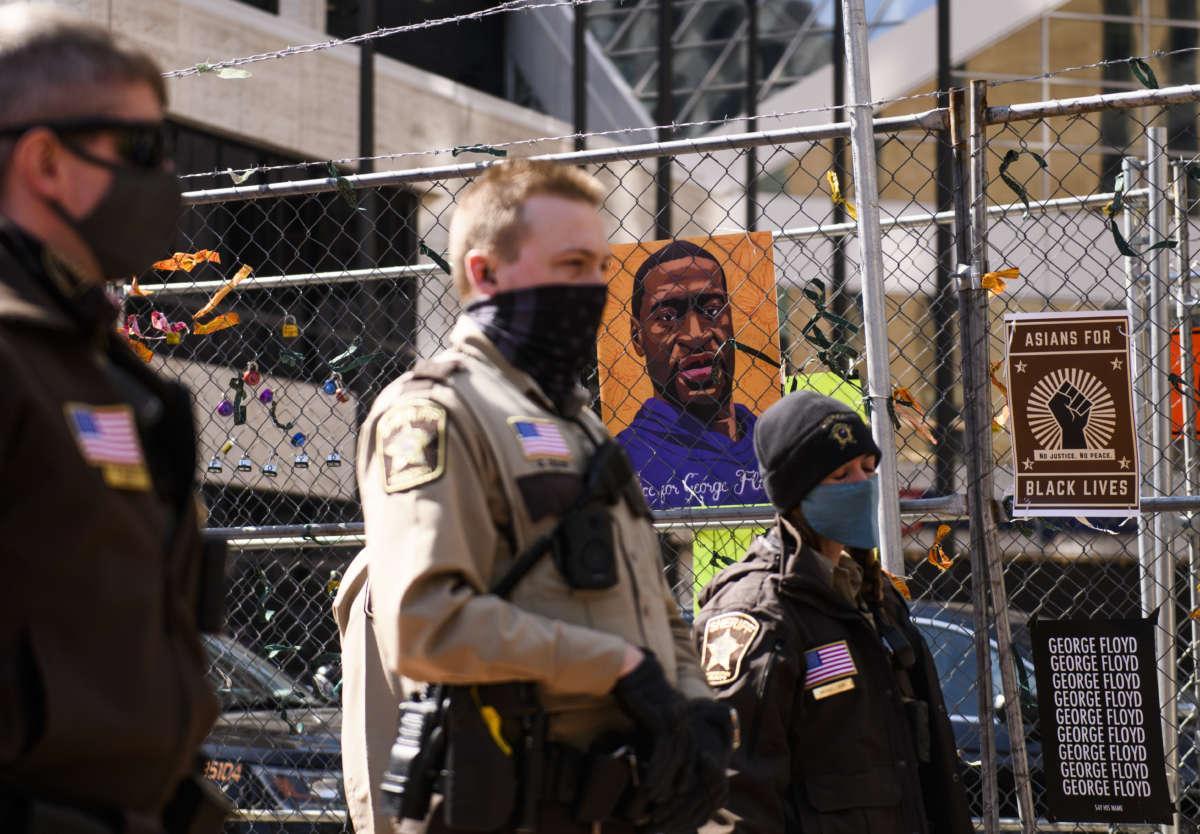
{"x":142,"y":144}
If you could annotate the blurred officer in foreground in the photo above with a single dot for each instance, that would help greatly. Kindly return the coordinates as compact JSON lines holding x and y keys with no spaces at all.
{"x":103,"y":697}
{"x":510,"y":591}
{"x":846,"y":726}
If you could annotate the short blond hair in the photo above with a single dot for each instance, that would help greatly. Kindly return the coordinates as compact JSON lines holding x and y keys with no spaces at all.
{"x":490,"y":213}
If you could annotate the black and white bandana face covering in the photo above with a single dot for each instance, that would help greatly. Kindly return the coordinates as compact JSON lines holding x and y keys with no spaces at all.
{"x":549,"y":331}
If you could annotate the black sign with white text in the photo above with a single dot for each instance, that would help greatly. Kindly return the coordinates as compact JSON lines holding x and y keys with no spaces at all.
{"x":1100,"y":720}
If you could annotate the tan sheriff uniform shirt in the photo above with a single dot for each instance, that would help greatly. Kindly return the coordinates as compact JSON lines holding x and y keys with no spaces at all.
{"x":460,"y":465}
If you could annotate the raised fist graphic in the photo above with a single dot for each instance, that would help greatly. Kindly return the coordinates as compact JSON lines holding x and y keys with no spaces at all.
{"x":1071,"y":409}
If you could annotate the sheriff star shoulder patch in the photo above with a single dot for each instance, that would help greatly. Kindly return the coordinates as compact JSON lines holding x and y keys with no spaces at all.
{"x":727,"y":639}
{"x":411,"y":443}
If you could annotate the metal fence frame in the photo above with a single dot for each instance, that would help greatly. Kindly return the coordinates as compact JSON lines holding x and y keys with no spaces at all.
{"x":967,"y":119}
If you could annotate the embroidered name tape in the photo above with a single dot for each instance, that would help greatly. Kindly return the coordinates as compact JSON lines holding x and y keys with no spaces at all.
{"x":827,"y":663}
{"x":107,"y":438}
{"x":540,"y":438}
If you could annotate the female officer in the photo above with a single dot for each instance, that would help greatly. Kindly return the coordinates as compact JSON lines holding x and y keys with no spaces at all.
{"x":843,"y":724}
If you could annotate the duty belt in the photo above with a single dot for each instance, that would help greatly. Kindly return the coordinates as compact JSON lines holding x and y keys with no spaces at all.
{"x":595,"y":785}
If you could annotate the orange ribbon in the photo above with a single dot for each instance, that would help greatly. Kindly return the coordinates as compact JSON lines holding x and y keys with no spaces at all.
{"x":937,"y":556}
{"x":1001,"y":420}
{"x":994,"y":281}
{"x":187,"y":262}
{"x":223,"y":291}
{"x":899,"y":584}
{"x":219,"y":323}
{"x":141,"y":350}
{"x":902,"y":397}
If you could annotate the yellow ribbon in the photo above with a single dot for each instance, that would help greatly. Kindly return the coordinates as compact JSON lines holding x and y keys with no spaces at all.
{"x":835,"y":194}
{"x":223,"y":291}
{"x":994,"y":281}
{"x":219,"y":323}
{"x":937,"y":556}
{"x":134,"y":289}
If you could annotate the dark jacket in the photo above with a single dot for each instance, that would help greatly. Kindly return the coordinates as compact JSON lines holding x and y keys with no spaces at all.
{"x":828,"y":719}
{"x":103,"y":696}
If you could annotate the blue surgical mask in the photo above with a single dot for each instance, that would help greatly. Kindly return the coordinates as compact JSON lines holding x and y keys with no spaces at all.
{"x":845,"y":513}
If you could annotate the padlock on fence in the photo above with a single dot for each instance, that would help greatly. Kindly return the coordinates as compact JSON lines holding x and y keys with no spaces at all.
{"x":289,"y":330}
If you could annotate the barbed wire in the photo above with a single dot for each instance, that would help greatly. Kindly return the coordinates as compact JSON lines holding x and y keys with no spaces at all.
{"x":240,"y":175}
{"x":485,"y":147}
{"x":1158,"y":53}
{"x":304,"y":49}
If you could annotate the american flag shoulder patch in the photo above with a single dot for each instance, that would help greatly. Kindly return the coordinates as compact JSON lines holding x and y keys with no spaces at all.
{"x":107,"y":438}
{"x":540,"y":438}
{"x":827,"y":663}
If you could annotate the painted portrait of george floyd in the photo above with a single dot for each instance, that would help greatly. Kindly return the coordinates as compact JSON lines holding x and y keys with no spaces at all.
{"x":688,"y":357}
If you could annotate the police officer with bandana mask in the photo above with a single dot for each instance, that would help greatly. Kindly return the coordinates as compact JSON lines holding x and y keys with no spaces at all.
{"x":465,"y":462}
{"x":845,"y":728}
{"x":103,"y":696}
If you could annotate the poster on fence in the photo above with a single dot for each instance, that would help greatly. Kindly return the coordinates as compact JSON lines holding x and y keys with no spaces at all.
{"x":688,"y":359}
{"x":1074,"y":449}
{"x":1098,"y":705}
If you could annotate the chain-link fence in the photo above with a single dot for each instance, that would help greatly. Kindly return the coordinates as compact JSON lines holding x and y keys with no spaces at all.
{"x":348,"y":289}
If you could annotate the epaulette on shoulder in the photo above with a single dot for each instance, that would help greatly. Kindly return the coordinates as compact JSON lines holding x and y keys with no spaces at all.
{"x":436,"y":369}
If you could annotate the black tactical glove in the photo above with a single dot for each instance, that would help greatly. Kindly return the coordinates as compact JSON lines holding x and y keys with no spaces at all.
{"x":661,"y":713}
{"x":704,"y":786}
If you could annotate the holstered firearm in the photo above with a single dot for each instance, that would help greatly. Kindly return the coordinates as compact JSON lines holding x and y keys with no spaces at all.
{"x":417,"y":755}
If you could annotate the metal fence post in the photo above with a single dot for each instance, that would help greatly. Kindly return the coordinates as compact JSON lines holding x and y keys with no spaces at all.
{"x":1185,"y":303}
{"x":1135,"y":305}
{"x":964,"y":237}
{"x":1160,"y":434}
{"x":977,"y":413}
{"x":879,"y":376}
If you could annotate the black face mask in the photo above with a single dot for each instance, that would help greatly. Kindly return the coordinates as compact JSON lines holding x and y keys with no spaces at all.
{"x":134,"y":224}
{"x":549,"y":332}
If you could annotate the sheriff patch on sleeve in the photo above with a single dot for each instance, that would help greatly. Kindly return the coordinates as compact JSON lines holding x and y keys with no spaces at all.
{"x":411,"y":440}
{"x":727,"y":638}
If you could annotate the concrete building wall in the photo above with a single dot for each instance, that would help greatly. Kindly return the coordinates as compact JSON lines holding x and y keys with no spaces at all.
{"x":306,"y":105}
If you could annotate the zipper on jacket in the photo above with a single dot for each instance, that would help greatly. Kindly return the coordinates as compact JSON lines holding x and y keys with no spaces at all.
{"x":752,"y":740}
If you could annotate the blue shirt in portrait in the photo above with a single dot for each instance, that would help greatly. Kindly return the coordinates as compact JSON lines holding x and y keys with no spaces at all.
{"x":681,"y":462}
